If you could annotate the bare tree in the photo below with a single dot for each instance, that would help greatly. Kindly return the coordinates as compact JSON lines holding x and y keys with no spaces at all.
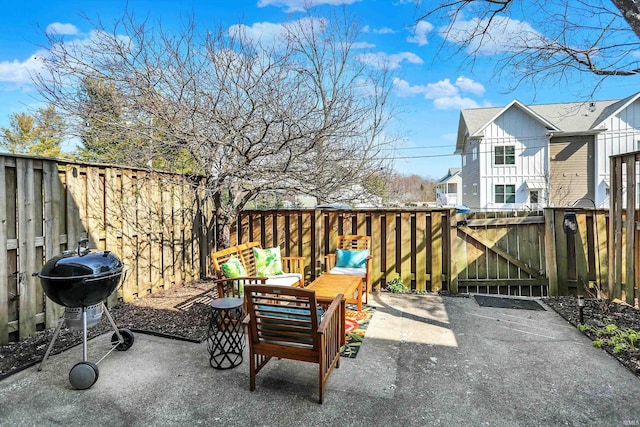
{"x":254,"y":117}
{"x":559,"y":37}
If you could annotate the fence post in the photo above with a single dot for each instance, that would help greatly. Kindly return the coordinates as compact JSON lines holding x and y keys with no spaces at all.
{"x":550,"y":250}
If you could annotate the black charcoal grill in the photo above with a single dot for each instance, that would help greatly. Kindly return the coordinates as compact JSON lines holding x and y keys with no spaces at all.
{"x":81,"y":280}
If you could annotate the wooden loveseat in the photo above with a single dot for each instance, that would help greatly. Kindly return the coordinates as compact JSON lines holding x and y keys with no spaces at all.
{"x":293,"y":267}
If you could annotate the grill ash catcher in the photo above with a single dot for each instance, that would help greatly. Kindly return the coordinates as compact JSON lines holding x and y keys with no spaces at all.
{"x":81,"y":280}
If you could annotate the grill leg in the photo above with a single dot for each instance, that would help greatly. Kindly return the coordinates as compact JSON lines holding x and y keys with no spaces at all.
{"x":84,"y":333}
{"x":53,"y":341}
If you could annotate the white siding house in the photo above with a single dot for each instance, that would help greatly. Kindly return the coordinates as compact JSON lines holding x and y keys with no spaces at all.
{"x":529,"y":157}
{"x":449,"y":189}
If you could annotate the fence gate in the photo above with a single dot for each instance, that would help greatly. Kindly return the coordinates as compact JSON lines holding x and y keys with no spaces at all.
{"x":500,"y":253}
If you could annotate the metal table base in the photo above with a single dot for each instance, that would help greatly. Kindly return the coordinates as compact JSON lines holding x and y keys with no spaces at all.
{"x":225,"y":340}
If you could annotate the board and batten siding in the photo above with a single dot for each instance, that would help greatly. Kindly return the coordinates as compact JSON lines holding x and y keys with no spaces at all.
{"x":572,"y":170}
{"x":529,"y":136}
{"x":471,"y":175}
{"x":621,"y":135}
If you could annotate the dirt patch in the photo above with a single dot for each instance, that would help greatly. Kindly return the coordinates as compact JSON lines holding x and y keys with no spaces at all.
{"x":154,"y":314}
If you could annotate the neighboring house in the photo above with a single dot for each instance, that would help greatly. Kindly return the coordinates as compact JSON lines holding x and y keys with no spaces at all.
{"x":533,"y":156}
{"x":449,"y":189}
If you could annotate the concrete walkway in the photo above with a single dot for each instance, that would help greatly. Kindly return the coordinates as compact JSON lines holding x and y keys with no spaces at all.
{"x":426,"y":361}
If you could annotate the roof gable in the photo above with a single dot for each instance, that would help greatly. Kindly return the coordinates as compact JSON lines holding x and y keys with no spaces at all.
{"x":569,"y":118}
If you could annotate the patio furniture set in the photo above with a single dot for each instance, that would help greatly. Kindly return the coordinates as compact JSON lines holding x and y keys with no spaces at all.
{"x":265,"y":293}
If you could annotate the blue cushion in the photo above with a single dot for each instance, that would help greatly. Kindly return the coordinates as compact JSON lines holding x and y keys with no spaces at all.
{"x":351,"y":259}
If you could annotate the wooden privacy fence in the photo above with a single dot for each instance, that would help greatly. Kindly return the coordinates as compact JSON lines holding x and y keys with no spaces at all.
{"x":151,"y":221}
{"x":624,"y":242}
{"x":410,"y":244}
{"x":163,"y":229}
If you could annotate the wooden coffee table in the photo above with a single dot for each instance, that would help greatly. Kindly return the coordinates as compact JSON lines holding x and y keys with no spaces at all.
{"x":327,"y":286}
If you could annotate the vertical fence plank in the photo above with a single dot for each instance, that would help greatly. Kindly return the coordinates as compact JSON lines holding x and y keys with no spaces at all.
{"x":582,"y":254}
{"x":4,"y":265}
{"x":167,"y":233}
{"x":550,"y":250}
{"x":404,"y":249}
{"x":377,"y":249}
{"x":630,"y":232}
{"x":421,"y":251}
{"x":26,"y":248}
{"x":53,"y":198}
{"x":437,"y":242}
{"x":391,"y":247}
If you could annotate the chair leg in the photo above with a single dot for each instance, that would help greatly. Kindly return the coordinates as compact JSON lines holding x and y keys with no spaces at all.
{"x":252,"y":372}
{"x":321,"y":382}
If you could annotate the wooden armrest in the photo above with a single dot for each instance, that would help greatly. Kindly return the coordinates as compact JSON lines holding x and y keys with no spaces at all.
{"x":330,"y":262}
{"x":293,"y":264}
{"x":333,"y":310}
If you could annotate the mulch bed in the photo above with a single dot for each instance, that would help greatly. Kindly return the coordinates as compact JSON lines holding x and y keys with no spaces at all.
{"x":597,"y":314}
{"x":154,"y":314}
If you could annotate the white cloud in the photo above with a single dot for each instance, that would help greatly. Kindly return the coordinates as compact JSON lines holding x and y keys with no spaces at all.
{"x":440,"y":89}
{"x":382,"y":60}
{"x":454,"y":103}
{"x":302,"y":5}
{"x":265,"y":32}
{"x":444,"y":94}
{"x":420,"y":31}
{"x":503,"y":35}
{"x":363,"y":45}
{"x":20,"y":72}
{"x":61,"y":29}
{"x":384,"y":30}
{"x":467,"y":85}
{"x":403,"y":89}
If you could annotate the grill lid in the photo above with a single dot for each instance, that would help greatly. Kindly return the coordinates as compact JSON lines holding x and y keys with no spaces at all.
{"x":82,"y":263}
{"x":82,"y":277}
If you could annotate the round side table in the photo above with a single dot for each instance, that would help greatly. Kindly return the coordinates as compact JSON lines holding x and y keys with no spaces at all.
{"x":225,"y":340}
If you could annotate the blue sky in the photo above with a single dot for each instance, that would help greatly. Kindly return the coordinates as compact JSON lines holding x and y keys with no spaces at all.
{"x":429,"y":90}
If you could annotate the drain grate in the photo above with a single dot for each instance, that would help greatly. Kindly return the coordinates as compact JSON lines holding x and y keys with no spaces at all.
{"x":500,"y":302}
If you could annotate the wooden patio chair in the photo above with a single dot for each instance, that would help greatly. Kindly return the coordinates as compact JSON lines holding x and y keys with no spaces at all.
{"x":283,"y":322}
{"x":352,"y":242}
{"x":228,"y":287}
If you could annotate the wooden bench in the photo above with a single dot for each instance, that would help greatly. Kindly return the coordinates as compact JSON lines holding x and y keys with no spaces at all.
{"x":292,"y":266}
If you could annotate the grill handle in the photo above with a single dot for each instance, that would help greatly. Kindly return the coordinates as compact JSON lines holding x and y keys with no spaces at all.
{"x":86,"y":249}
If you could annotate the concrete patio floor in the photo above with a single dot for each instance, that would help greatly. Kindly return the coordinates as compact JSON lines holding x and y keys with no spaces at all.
{"x":426,"y":361}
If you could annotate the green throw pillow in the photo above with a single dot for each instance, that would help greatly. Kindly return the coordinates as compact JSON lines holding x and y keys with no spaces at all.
{"x":268,"y":262}
{"x":233,"y":268}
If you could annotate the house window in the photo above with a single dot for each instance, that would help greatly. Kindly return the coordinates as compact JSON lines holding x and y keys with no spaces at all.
{"x":505,"y":155}
{"x":475,"y":153}
{"x":534,"y":197}
{"x":464,"y":189}
{"x":505,"y":193}
{"x":474,"y":189}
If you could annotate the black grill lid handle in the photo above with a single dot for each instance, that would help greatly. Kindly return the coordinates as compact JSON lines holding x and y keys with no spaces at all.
{"x":86,"y":250}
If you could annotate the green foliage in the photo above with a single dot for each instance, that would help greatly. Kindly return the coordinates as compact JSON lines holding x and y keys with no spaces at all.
{"x":611,"y":336}
{"x":396,"y":286}
{"x":39,"y":134}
